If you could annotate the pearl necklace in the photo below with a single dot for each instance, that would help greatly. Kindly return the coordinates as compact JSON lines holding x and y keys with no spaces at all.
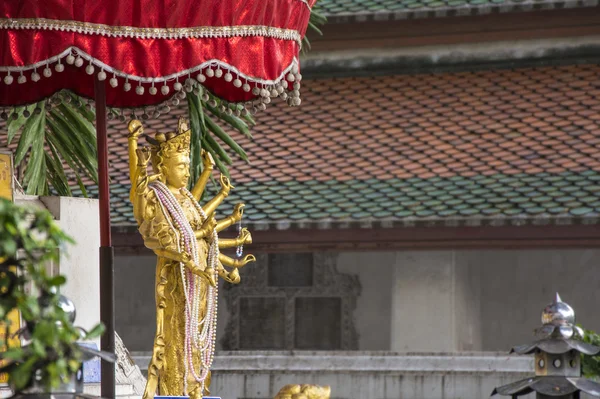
{"x":199,"y":334}
{"x":239,"y":251}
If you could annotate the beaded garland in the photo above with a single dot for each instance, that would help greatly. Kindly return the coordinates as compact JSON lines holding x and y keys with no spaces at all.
{"x":239,"y":251}
{"x":287,"y":86}
{"x":199,"y":334}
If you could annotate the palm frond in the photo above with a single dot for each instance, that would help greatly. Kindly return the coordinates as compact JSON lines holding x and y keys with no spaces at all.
{"x":209,"y":127}
{"x":316,"y":20}
{"x":51,"y":138}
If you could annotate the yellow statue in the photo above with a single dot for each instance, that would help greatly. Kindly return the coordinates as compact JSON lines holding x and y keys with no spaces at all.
{"x":304,"y":391}
{"x":184,"y":237}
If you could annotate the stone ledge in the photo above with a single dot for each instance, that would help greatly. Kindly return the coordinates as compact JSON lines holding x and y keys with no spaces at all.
{"x":379,"y":362}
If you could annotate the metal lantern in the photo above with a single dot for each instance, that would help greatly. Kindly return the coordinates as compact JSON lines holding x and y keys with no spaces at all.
{"x":557,"y":354}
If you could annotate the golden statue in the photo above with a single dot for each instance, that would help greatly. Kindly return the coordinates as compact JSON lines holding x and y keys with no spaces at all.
{"x":184,"y":237}
{"x":304,"y":391}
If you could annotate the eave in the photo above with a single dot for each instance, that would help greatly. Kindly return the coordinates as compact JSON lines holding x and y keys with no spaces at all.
{"x":420,"y":45}
{"x":128,"y":241}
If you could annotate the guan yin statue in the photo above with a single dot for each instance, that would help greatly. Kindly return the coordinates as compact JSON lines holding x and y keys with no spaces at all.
{"x":184,"y":237}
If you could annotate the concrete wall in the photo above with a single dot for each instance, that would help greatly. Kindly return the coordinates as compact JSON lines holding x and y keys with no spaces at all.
{"x":78,"y":217}
{"x":486,"y":300}
{"x":435,"y":303}
{"x":516,"y":285}
{"x":366,"y":375}
{"x":134,"y":301}
{"x":420,"y":301}
{"x":374,"y":307}
{"x":135,"y":315}
{"x":135,"y":312}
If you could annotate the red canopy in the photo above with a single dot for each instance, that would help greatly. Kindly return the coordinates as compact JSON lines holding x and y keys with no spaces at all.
{"x":148,"y":49}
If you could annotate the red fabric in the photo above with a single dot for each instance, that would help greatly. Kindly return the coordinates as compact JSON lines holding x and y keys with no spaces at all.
{"x":258,"y":57}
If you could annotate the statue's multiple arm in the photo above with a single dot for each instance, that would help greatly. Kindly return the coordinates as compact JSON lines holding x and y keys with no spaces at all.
{"x":210,"y":207}
{"x":232,"y":277}
{"x":138,"y":171}
{"x":236,"y":216}
{"x":237,"y":263}
{"x":245,"y":238}
{"x":140,"y":184}
{"x":138,"y":174}
{"x":209,"y":164}
{"x":135,"y":130}
{"x":207,"y":228}
{"x":186,"y":259}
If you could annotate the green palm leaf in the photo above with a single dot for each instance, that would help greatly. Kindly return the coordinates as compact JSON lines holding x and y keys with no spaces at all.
{"x":49,"y":139}
{"x":317,"y":19}
{"x":207,"y":127}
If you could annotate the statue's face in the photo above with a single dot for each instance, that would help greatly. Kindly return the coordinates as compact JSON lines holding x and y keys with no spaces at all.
{"x":176,"y":169}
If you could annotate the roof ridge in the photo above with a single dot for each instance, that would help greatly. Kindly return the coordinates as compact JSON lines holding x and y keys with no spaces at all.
{"x":349,"y":11}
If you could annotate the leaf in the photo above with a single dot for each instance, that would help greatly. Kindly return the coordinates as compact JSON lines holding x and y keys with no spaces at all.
{"x":69,"y":134}
{"x":35,"y":172}
{"x":13,"y":354}
{"x":235,"y":122}
{"x":56,"y":173}
{"x":9,"y":248}
{"x":220,"y":133}
{"x":210,"y":141}
{"x":95,"y":332}
{"x":33,"y":130}
{"x":71,"y":160}
{"x":316,"y":19}
{"x":14,"y":126}
{"x":72,"y":146}
{"x":85,"y":128}
{"x":57,"y":281}
{"x":37,"y":348}
{"x":21,"y":375}
{"x":198,"y":129}
{"x":314,"y":27}
{"x":80,"y":134}
{"x":84,"y":111}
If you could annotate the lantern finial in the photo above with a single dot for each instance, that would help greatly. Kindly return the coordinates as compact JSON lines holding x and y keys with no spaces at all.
{"x":558,"y":313}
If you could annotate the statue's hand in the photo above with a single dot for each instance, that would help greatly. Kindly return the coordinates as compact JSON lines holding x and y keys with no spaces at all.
{"x":143,"y":155}
{"x":207,"y":159}
{"x":135,"y":129}
{"x":208,"y":274}
{"x":247,"y":259}
{"x":210,"y":224}
{"x":234,"y":276}
{"x":185,"y":258}
{"x":238,"y":211}
{"x":225,"y":185}
{"x":245,"y":236}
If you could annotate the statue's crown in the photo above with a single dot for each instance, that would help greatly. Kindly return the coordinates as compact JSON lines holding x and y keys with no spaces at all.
{"x":167,"y":144}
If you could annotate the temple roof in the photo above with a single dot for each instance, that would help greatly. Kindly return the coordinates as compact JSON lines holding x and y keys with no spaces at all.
{"x":502,"y":146}
{"x":508,"y":146}
{"x":362,"y":10}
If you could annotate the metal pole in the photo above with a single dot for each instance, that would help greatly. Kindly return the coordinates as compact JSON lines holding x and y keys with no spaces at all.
{"x":107,"y":314}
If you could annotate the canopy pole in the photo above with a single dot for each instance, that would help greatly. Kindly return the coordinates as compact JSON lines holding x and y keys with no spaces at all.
{"x":107,"y":314}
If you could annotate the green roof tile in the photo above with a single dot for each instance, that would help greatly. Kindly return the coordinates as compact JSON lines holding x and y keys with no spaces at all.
{"x":421,"y":198}
{"x":581,"y":211}
{"x":448,"y":212}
